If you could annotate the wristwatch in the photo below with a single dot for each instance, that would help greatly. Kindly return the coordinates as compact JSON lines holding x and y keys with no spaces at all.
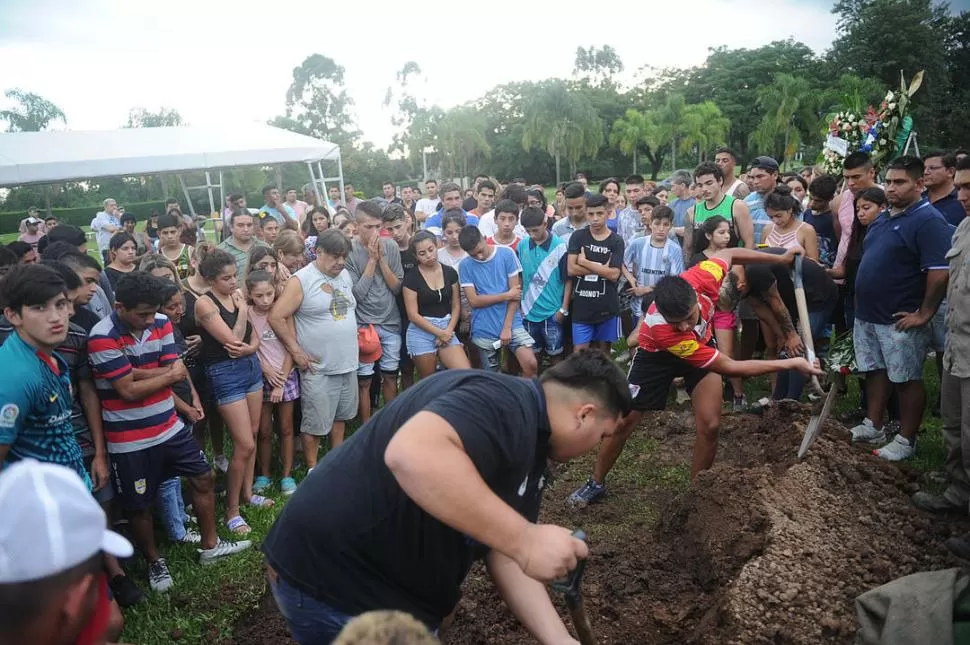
{"x":564,"y":312}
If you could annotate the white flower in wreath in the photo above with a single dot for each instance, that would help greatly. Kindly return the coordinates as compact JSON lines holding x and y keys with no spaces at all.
{"x":883,"y":142}
{"x":892,"y":106}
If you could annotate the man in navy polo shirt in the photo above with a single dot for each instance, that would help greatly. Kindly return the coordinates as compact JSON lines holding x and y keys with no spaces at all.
{"x":905,"y":249}
{"x":939,"y":170}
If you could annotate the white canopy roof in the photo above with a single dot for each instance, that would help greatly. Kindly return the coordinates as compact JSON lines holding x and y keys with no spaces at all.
{"x":49,"y":157}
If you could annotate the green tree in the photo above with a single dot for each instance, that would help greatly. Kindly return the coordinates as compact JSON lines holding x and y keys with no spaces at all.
{"x":631,"y":132}
{"x":317,"y":104}
{"x":562,"y":122}
{"x":789,"y":107}
{"x":405,"y":104}
{"x":598,"y":66}
{"x":461,"y":136}
{"x":142,"y":118}
{"x":32,"y":113}
{"x":881,"y":38}
{"x":669,"y":118}
{"x":703,"y":127}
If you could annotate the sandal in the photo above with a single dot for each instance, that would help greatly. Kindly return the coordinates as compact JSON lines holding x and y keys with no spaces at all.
{"x":260,"y":502}
{"x":238,"y":525}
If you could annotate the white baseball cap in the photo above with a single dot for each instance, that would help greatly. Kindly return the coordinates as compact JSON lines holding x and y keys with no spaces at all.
{"x":51,"y":523}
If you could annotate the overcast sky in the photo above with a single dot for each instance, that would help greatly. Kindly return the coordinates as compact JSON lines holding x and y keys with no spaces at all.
{"x":219,"y":61}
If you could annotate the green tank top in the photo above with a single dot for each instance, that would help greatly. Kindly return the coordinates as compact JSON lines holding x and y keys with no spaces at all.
{"x":724,"y":208}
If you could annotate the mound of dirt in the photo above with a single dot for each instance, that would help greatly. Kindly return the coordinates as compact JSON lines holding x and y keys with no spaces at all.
{"x":761,"y":549}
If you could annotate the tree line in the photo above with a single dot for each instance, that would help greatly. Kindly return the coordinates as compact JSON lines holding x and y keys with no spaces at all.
{"x":773,"y":99}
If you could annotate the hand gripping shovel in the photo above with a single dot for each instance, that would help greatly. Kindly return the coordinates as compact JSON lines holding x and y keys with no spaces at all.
{"x":814,"y":428}
{"x":570,"y":588}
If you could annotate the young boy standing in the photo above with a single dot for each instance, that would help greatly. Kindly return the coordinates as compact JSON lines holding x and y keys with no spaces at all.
{"x":645,"y":206}
{"x":506,"y":219}
{"x":595,"y":261}
{"x":489,"y":276}
{"x":649,"y":259}
{"x":545,"y":300}
{"x":397,"y":229}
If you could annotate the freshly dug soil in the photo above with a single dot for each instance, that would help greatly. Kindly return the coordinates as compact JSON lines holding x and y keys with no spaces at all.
{"x":762,"y":549}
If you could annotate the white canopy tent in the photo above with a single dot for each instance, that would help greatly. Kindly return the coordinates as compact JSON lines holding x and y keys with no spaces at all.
{"x":51,"y":157}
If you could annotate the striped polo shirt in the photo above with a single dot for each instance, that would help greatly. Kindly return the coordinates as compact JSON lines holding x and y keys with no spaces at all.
{"x":114,"y":351}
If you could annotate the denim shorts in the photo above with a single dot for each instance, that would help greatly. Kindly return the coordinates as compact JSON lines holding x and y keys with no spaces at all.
{"x":420,"y":342}
{"x":390,"y":358}
{"x":607,"y":331}
{"x":232,"y":380}
{"x":937,"y":327}
{"x":490,"y":355}
{"x":547,"y":335}
{"x":883,"y":347}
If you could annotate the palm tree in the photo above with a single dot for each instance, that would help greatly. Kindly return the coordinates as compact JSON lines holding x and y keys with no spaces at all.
{"x":703,"y":127}
{"x":460,"y":135}
{"x":563,"y":122}
{"x":669,"y":118}
{"x":789,"y":107}
{"x":632,"y":131}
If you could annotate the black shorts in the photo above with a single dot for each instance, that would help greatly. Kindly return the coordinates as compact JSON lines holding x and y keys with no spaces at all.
{"x":652,"y":373}
{"x":137,"y":475}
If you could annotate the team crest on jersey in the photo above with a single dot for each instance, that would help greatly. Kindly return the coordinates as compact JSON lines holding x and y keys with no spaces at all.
{"x":140,"y":486}
{"x":8,"y":415}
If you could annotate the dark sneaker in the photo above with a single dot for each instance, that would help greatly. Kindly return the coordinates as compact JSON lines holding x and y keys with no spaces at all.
{"x":937,"y":504}
{"x":959,"y":546}
{"x":125,"y":591}
{"x":588,"y":493}
{"x":159,"y":579}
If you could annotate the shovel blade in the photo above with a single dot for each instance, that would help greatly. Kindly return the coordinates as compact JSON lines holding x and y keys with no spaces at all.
{"x":815,"y":424}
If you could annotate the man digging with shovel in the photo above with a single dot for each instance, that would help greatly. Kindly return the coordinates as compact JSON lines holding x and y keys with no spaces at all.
{"x":675,"y":340}
{"x":451,"y":470}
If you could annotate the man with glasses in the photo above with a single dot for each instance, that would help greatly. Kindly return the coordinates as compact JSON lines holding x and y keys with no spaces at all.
{"x":939,"y":170}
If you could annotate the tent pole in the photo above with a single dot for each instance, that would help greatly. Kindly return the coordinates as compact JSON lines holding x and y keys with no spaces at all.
{"x":188,"y":198}
{"x":222,"y":194}
{"x":313,"y":182}
{"x":340,"y":175}
{"x":208,"y":185}
{"x":323,"y":186}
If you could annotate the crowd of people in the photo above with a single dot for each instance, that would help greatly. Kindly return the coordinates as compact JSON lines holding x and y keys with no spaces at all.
{"x":429,"y":305}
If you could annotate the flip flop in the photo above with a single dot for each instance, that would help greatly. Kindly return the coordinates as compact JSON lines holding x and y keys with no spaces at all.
{"x":260,"y":502}
{"x":238,"y":525}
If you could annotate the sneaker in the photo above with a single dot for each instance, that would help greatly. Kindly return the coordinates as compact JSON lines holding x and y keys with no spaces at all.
{"x":959,"y":546}
{"x":865,"y":432}
{"x":191,"y":537}
{"x":288,"y":485}
{"x":261,"y":484}
{"x":159,"y":579}
{"x":587,"y":493}
{"x":125,"y":591}
{"x":936,"y":503}
{"x":896,"y":450}
{"x":740,"y":404}
{"x":221,"y":463}
{"x":221,"y":550}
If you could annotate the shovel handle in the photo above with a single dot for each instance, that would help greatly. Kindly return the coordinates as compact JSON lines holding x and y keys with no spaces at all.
{"x":571,"y":585}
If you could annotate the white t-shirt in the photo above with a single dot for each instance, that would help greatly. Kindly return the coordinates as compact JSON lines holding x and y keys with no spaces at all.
{"x":427,"y":206}
{"x":486,"y":224}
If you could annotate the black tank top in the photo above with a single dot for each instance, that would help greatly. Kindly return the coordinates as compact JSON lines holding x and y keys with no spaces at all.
{"x":212,"y":349}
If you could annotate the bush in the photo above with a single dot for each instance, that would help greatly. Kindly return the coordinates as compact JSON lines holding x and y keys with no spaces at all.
{"x":80,"y":216}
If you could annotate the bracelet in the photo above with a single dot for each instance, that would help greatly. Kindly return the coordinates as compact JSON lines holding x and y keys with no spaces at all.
{"x":564,"y":312}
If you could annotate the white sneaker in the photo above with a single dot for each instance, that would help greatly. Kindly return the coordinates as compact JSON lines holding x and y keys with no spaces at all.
{"x":159,"y":579}
{"x":222,"y":463}
{"x":896,"y":450}
{"x":865,"y":432}
{"x":221,"y":550}
{"x":191,"y":537}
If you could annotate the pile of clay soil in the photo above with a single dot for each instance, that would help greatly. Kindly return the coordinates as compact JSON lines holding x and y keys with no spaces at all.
{"x":762,"y":549}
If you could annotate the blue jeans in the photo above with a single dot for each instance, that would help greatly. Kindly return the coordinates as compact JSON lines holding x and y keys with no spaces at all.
{"x":171,"y":507}
{"x":311,"y":621}
{"x":790,"y":383}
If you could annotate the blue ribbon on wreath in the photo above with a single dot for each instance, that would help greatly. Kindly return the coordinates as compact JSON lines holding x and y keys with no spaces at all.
{"x":871,"y":136}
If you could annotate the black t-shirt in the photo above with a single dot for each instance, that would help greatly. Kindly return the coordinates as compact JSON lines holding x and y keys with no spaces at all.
{"x":85,"y":318}
{"x":408,"y":263}
{"x":469,"y":204}
{"x":595,"y":298}
{"x":353,"y":539}
{"x":114,"y":275}
{"x":432,"y":303}
{"x":182,"y":389}
{"x":819,"y":288}
{"x":825,"y":230}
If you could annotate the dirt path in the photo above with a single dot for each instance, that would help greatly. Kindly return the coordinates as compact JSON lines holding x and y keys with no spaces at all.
{"x":762,"y":549}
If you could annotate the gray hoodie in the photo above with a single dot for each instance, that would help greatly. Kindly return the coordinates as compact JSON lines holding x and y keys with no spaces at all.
{"x":376,"y":303}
